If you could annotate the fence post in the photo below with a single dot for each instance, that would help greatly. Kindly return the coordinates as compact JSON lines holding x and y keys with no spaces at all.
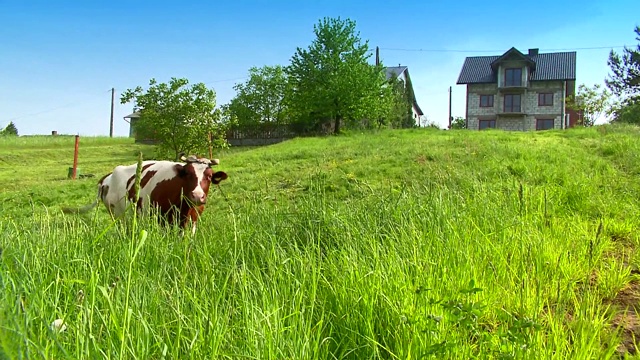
{"x":75,"y":158}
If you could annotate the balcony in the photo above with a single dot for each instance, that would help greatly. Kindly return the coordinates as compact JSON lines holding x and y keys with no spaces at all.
{"x":517,"y":87}
{"x":511,"y":111}
{"x":503,"y":113}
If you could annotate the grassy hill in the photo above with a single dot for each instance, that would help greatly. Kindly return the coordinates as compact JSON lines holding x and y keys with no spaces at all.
{"x":392,"y":244}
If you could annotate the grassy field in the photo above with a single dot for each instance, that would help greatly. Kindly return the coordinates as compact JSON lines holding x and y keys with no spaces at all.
{"x":395,"y":244}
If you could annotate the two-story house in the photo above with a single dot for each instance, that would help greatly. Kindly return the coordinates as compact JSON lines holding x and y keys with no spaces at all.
{"x":402,"y":73}
{"x":516,"y":91}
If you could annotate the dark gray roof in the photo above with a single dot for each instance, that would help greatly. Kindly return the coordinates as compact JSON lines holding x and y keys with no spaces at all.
{"x":549,"y":66}
{"x":398,"y":70}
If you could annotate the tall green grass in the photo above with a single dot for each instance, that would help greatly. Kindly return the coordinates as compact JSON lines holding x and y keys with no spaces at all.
{"x":398,"y":244}
{"x":60,"y":141}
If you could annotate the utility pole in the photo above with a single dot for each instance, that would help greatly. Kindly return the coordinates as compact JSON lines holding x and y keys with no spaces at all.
{"x":113,"y":97}
{"x":377,"y":56}
{"x":450,"y":118}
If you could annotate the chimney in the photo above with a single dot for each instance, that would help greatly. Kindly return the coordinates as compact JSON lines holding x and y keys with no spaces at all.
{"x":533,"y":52}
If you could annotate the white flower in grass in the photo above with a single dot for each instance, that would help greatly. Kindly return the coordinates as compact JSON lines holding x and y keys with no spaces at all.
{"x":58,"y":325}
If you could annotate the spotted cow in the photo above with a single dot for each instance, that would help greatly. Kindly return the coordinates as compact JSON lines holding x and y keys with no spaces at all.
{"x":178,"y":190}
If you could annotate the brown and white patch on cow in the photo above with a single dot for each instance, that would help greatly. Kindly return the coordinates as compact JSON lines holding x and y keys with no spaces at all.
{"x":202,"y":186}
{"x":161,"y":173}
{"x":131,"y":179}
{"x":146,"y":177}
{"x":103,"y":188}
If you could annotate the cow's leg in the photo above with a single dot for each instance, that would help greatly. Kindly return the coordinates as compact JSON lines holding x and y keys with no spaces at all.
{"x":193,"y":228}
{"x":193,"y":215}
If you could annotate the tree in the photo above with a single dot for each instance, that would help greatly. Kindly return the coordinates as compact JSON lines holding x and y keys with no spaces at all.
{"x":10,"y":130}
{"x":260,"y":98}
{"x":332,"y":81}
{"x":626,"y":111}
{"x":180,"y":118}
{"x":625,"y":79}
{"x":591,"y":102}
{"x":625,"y":83}
{"x":400,"y":114}
{"x":427,"y":123}
{"x":458,"y":122}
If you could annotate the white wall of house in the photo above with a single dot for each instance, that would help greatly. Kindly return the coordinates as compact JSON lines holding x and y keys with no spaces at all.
{"x":416,"y":116}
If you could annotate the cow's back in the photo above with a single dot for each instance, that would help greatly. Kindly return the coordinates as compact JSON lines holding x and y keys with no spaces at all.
{"x":154,"y":174}
{"x":120,"y":184}
{"x":116,"y":185}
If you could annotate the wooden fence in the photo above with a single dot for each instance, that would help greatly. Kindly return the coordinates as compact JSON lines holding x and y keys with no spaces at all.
{"x":265,"y":134}
{"x":260,"y":134}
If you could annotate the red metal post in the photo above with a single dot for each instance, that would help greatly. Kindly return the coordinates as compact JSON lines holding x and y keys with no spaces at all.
{"x":75,"y":158}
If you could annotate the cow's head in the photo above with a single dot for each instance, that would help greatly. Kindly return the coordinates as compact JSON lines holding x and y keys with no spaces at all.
{"x":197,"y":175}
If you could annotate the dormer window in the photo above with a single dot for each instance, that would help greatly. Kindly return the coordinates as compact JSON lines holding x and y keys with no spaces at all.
{"x":513,"y":77}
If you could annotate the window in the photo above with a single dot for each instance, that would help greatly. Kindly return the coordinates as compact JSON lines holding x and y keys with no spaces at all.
{"x":484,"y":124}
{"x":544,"y":124}
{"x":545,"y":99}
{"x":513,"y":77}
{"x":486,"y":100}
{"x":512,"y":103}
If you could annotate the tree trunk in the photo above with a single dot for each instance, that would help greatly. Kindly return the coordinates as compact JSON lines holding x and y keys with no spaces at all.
{"x":338,"y":117}
{"x":337,"y":125}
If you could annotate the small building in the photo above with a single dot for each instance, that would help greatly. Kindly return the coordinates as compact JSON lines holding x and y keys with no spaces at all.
{"x":133,"y":118}
{"x":402,"y":73}
{"x":520,"y":92}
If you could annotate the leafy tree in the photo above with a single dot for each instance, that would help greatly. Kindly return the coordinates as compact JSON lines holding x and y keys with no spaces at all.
{"x":626,"y":111}
{"x":458,"y":122}
{"x":180,"y":118}
{"x":331,"y":80}
{"x":625,"y":79}
{"x":260,"y":98}
{"x":591,"y":102}
{"x":428,"y":123}
{"x":10,"y":130}
{"x":624,"y":82}
{"x":400,"y":114}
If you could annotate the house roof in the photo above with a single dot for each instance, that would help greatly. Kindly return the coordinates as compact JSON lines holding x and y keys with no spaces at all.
{"x":133,"y":115}
{"x":398,"y":70}
{"x":548,"y":66}
{"x":511,"y":54}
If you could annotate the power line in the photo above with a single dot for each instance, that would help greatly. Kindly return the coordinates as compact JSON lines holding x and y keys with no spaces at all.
{"x":51,"y":109}
{"x":502,"y":51}
{"x":75,"y":103}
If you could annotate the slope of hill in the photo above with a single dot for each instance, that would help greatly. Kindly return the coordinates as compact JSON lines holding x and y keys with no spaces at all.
{"x":373,"y":245}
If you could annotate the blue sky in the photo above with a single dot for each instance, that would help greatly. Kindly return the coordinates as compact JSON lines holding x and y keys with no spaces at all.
{"x":59,"y":60}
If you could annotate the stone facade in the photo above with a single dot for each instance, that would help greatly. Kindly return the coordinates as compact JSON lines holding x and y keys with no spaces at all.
{"x":530,"y":112}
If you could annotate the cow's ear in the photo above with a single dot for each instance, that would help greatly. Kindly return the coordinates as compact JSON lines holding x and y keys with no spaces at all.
{"x":180,"y":170}
{"x":218,"y":177}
